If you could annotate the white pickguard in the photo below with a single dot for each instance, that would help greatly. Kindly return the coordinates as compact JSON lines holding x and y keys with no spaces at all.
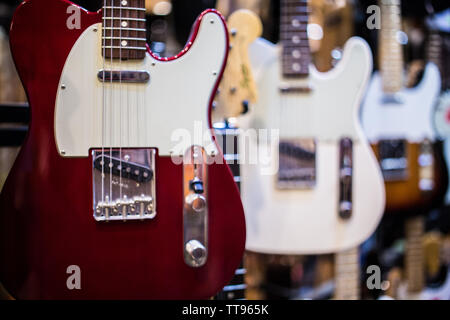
{"x":411,"y":118}
{"x":307,"y":221}
{"x":170,"y":112}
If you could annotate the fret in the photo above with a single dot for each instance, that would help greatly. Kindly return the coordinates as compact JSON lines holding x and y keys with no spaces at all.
{"x":296,"y":56}
{"x":125,"y":38}
{"x":287,"y":19}
{"x":124,"y":8}
{"x":125,"y":48}
{"x":123,"y":19}
{"x":124,"y":29}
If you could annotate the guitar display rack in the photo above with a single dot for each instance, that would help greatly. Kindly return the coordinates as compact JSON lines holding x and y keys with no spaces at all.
{"x":14,"y":119}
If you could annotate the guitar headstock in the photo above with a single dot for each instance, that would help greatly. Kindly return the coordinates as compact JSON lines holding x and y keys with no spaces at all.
{"x":238,"y":88}
{"x":330,"y":27}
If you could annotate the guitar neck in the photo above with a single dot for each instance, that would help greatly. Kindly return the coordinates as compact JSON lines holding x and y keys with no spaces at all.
{"x":390,"y":53}
{"x":438,"y":48}
{"x":296,"y":55}
{"x":347,"y":275}
{"x":434,"y":50}
{"x":124,"y":29}
{"x":414,"y":260}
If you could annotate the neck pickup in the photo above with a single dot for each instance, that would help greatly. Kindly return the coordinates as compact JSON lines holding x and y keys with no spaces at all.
{"x":123,"y":76}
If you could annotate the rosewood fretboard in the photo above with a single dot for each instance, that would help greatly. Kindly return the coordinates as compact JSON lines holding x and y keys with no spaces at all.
{"x":124,"y":29}
{"x":294,"y":38}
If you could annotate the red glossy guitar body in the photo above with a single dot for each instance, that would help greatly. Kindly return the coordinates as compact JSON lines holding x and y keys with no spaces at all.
{"x":46,"y":222}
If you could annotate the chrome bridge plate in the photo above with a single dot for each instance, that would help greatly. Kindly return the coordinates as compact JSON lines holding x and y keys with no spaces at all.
{"x":297,"y":164}
{"x":124,"y":184}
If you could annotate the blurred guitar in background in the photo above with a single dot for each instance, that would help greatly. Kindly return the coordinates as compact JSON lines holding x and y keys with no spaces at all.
{"x":397,"y":121}
{"x":312,"y":194}
{"x":236,"y":90}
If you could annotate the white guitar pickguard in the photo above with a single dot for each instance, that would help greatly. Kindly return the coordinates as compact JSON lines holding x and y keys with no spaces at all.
{"x":410,"y":118}
{"x":307,"y":221}
{"x":170,"y":112}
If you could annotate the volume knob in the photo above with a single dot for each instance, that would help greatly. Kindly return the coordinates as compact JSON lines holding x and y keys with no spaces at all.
{"x":196,"y":252}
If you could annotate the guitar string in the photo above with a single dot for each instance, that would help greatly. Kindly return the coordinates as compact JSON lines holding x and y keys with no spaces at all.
{"x":138,"y":4}
{"x":144,"y":86}
{"x":111,"y":118}
{"x":104,"y":101}
{"x":120,"y":103}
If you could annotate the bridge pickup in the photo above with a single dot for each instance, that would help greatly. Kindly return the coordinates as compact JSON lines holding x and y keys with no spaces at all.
{"x":124,"y":76}
{"x":297,"y":164}
{"x":393,"y":159}
{"x":125,"y":169}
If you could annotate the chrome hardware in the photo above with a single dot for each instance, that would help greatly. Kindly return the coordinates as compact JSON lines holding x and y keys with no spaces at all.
{"x":195,"y":212}
{"x":196,"y":202}
{"x":393,"y":159}
{"x":123,"y":76}
{"x":124,"y":186}
{"x":196,"y":252}
{"x":297,"y":164}
{"x":426,"y":167}
{"x":345,"y":177}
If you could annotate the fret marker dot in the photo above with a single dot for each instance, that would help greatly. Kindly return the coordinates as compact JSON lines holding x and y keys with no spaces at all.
{"x":124,"y":43}
{"x":296,"y":67}
{"x":124,"y":3}
{"x":295,"y":23}
{"x":124,"y":24}
{"x":296,"y":54}
{"x":296,"y":39}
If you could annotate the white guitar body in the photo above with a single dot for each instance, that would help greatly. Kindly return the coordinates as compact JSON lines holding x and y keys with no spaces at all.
{"x":307,"y":221}
{"x":90,"y":114}
{"x":407,"y":115}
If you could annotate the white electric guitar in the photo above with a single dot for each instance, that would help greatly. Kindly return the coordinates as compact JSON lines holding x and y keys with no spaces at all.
{"x":316,"y":186}
{"x":391,"y":111}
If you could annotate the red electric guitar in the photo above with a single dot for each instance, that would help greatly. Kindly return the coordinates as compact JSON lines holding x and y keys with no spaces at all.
{"x":119,"y":191}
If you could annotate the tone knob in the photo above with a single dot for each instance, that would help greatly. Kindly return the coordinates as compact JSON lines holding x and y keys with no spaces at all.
{"x":196,"y":202}
{"x":345,"y":209}
{"x":196,"y":252}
